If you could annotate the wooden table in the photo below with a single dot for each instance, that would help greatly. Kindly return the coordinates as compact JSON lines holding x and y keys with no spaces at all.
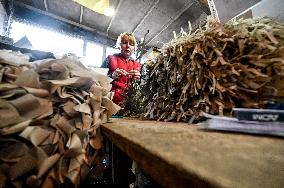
{"x":182,"y":155}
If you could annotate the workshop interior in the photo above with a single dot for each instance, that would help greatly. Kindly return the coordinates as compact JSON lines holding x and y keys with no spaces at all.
{"x":141,"y":93}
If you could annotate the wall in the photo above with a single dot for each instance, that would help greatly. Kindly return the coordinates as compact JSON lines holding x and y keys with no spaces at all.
{"x":227,"y":9}
{"x":271,"y":8}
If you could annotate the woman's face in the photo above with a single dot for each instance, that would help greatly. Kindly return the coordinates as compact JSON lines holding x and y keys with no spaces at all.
{"x":126,"y":46}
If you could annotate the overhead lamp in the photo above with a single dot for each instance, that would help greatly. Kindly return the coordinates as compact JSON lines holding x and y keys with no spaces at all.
{"x":109,"y":11}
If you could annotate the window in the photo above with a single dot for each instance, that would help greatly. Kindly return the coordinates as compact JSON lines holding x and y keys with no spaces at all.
{"x":60,"y":44}
{"x":46,"y":40}
{"x":94,"y":54}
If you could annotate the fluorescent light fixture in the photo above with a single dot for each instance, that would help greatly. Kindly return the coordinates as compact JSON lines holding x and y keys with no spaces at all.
{"x":109,"y":12}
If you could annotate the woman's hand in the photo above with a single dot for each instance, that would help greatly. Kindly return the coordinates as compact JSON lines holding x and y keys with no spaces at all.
{"x":118,"y":72}
{"x":135,"y":73}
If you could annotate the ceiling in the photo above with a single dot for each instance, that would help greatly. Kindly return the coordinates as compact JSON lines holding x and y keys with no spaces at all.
{"x":160,"y":17}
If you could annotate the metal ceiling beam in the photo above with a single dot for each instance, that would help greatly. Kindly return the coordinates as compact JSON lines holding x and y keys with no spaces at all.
{"x":54,"y":16}
{"x":116,"y":8}
{"x":213,"y":10}
{"x":81,"y":13}
{"x":189,"y":4}
{"x":146,"y":15}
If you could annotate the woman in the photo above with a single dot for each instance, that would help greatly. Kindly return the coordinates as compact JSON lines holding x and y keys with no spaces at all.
{"x":121,"y":66}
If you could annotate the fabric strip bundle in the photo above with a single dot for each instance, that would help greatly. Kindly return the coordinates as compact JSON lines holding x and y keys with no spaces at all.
{"x":239,"y":64}
{"x":50,"y":113}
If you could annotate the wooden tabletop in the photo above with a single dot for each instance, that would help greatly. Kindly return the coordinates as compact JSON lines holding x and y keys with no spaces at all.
{"x":182,"y":155}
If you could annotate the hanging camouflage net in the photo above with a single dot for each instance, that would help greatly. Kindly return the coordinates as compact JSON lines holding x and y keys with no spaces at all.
{"x":239,"y":64}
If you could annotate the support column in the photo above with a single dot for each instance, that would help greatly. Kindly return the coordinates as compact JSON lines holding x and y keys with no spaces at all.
{"x":104,"y":53}
{"x":9,"y":8}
